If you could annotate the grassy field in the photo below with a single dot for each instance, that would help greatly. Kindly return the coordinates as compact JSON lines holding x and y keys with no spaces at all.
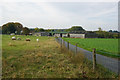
{"x":103,"y":46}
{"x":45,"y":59}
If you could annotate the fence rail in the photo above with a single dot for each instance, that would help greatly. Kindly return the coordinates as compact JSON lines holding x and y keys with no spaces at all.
{"x":109,"y":63}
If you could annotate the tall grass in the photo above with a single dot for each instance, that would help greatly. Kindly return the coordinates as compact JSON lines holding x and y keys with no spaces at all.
{"x":45,"y":59}
{"x":85,"y":66}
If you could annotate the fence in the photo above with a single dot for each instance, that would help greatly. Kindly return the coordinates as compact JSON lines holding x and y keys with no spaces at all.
{"x":109,"y":63}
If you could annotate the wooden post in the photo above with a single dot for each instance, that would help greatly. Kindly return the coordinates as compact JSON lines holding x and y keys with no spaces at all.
{"x":68,"y":45}
{"x":76,"y":48}
{"x":94,"y":59}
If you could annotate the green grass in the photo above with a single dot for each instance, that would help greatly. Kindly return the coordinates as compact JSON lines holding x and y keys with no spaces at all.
{"x":108,"y":47}
{"x":45,"y":59}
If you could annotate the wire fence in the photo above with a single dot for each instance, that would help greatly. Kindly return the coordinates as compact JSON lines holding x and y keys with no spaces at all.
{"x":109,"y":63}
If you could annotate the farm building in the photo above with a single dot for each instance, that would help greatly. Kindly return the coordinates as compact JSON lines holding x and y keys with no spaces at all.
{"x":84,"y":34}
{"x":59,"y":34}
{"x":41,"y":34}
{"x":53,"y":33}
{"x":75,"y":34}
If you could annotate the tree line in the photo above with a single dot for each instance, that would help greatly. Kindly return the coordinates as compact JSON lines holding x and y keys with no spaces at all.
{"x":17,"y":28}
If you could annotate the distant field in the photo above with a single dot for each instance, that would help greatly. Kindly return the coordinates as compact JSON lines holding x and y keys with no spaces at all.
{"x":103,"y":46}
{"x":44,"y":59}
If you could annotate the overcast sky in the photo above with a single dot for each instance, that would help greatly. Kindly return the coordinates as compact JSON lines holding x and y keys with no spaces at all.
{"x":55,"y":15}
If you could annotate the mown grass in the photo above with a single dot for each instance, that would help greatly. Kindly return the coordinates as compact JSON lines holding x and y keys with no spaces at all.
{"x":108,"y":47}
{"x":45,"y":59}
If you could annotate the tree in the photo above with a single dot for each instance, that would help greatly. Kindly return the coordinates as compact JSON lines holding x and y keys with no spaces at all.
{"x":8,"y":28}
{"x":41,"y":29}
{"x":4,"y":29}
{"x":110,"y":30}
{"x":76,"y":28}
{"x":36,"y":29}
{"x":48,"y":30}
{"x":115,"y":31}
{"x":115,"y":35}
{"x":11,"y":27}
{"x":26,"y":31}
{"x":99,"y":29}
{"x":19,"y":27}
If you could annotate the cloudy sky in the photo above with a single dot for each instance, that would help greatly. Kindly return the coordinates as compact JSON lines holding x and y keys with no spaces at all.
{"x":61,"y":14}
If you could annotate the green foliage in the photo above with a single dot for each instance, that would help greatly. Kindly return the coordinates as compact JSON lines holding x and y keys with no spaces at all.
{"x":48,"y":30}
{"x":11,"y":28}
{"x":19,"y":27}
{"x":26,"y":31}
{"x":36,"y":29}
{"x":8,"y":28}
{"x":75,"y":28}
{"x":105,"y":34}
{"x":110,"y":30}
{"x":41,"y":30}
{"x":99,"y":29}
{"x":116,"y":36}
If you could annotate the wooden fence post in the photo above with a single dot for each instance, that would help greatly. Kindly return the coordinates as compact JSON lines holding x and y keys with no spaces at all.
{"x":94,"y":59}
{"x":76,"y":48}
